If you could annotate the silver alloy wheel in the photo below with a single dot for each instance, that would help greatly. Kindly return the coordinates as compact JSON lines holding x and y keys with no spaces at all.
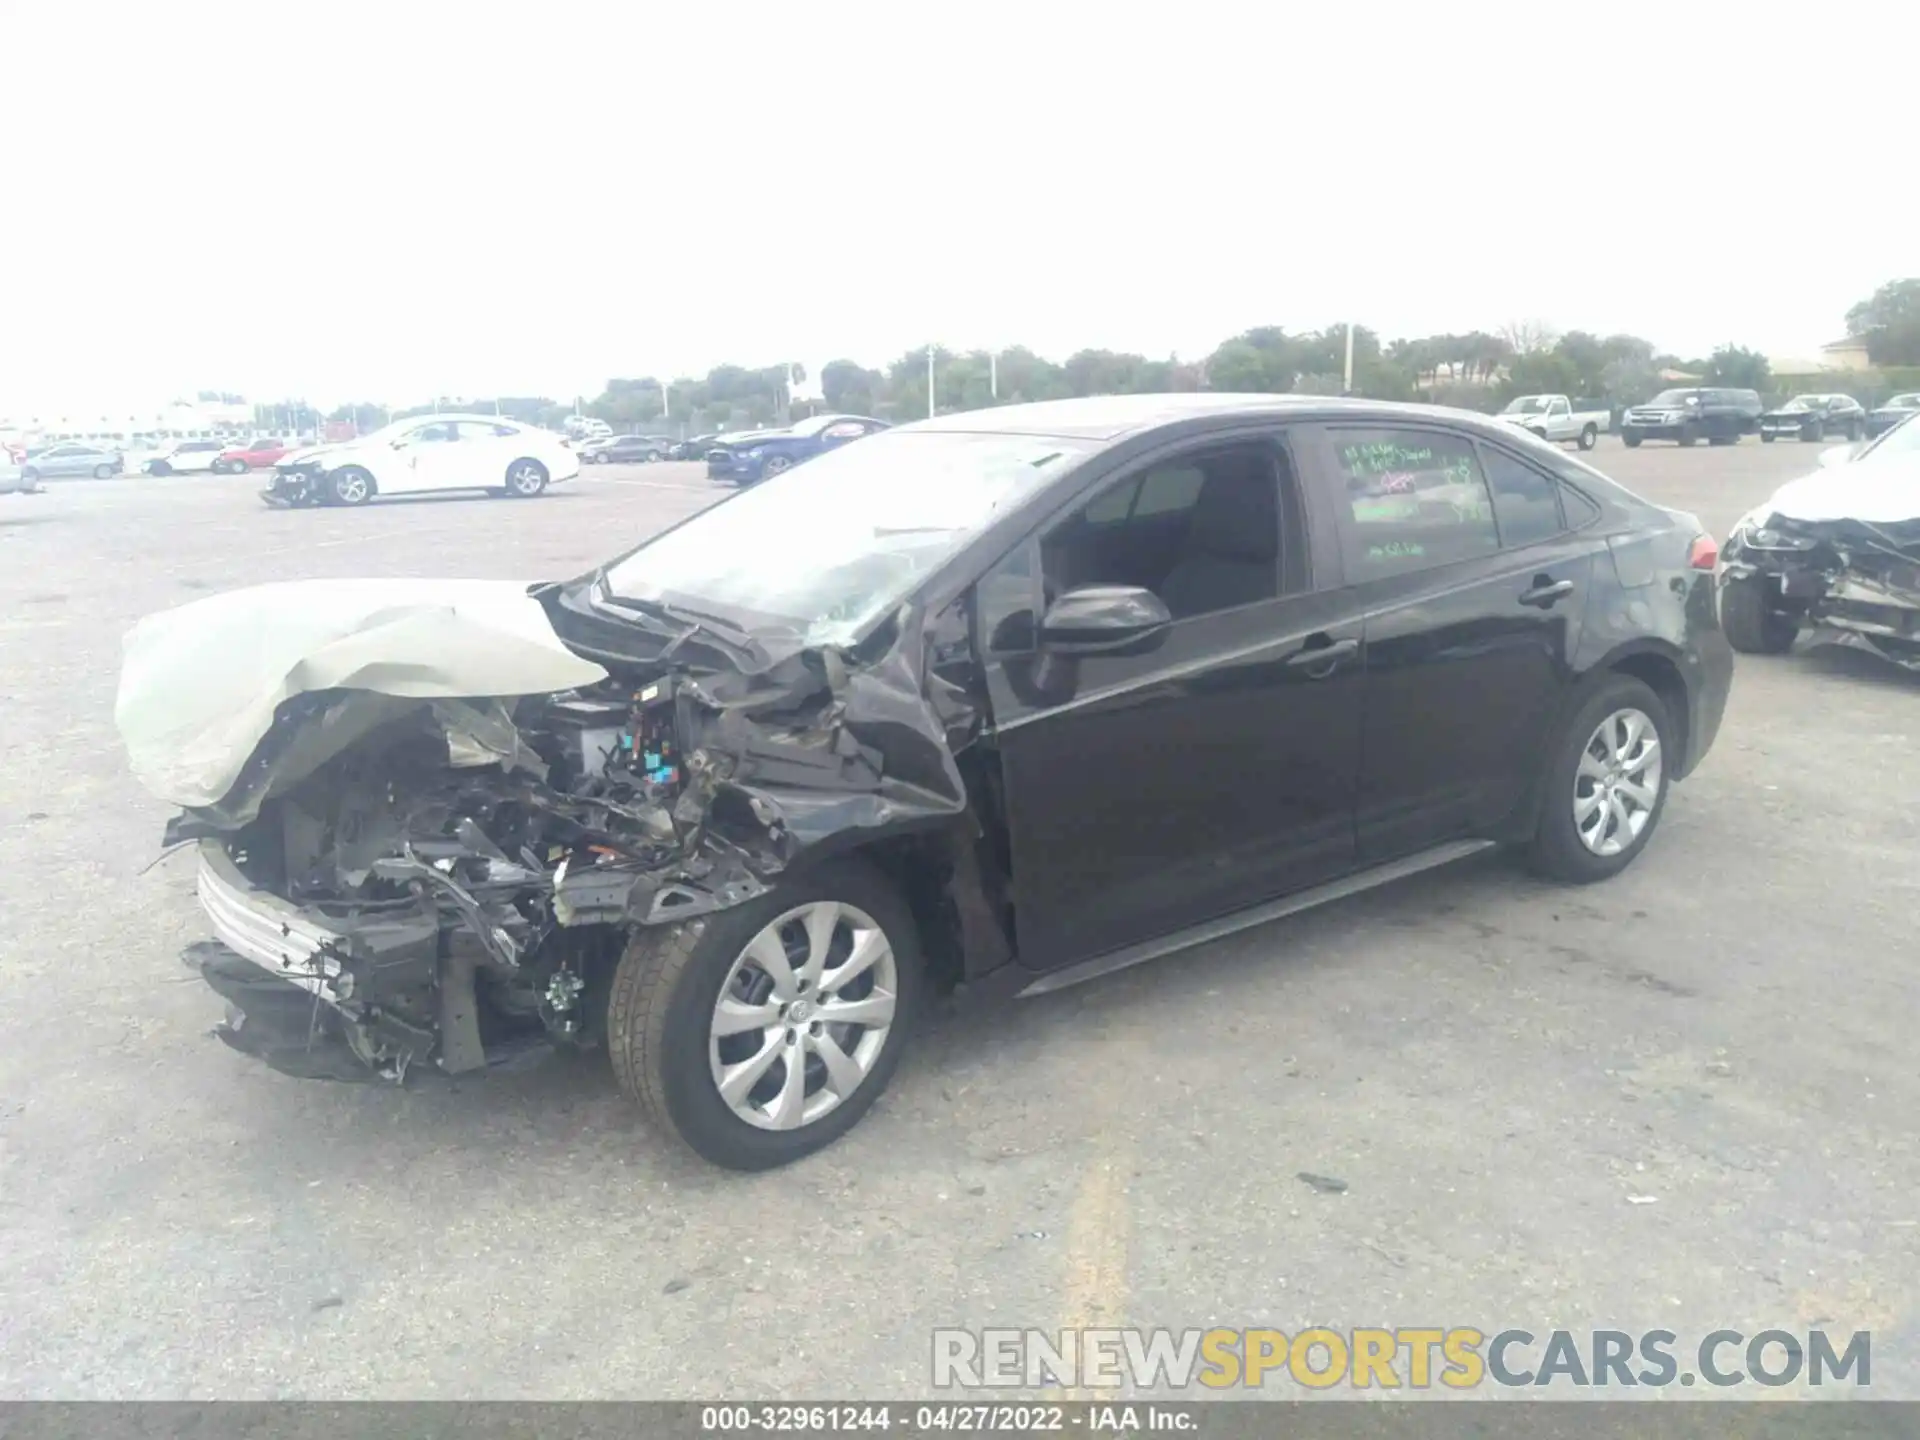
{"x":777,"y":463}
{"x":803,"y":1015}
{"x":351,"y":488}
{"x":525,"y":478}
{"x":1617,"y":784}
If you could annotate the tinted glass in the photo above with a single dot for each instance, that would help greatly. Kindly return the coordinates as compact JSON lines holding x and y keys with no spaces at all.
{"x":1416,"y":499}
{"x":1526,"y":503}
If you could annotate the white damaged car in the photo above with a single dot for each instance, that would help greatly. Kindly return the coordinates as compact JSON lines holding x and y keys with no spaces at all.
{"x":1834,"y":554}
{"x":422,"y":455}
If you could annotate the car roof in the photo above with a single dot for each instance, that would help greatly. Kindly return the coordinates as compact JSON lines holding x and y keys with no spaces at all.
{"x":1112,"y":417}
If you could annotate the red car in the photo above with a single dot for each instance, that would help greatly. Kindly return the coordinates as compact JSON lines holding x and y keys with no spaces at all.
{"x":255,"y":454}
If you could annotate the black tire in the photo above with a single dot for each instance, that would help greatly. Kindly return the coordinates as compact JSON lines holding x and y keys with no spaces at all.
{"x":526,"y":478}
{"x":1766,"y":437}
{"x":1630,"y":440}
{"x":1689,"y":434}
{"x":776,"y":464}
{"x":663,"y":996}
{"x":1589,"y":437}
{"x":1557,"y":850}
{"x":103,"y":472}
{"x":351,"y":485}
{"x":1752,"y":625}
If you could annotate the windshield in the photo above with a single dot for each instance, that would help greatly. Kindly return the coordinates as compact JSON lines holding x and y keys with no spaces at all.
{"x":814,"y":425}
{"x":1676,"y":398}
{"x":1904,"y":402}
{"x":1526,"y":405}
{"x":830,"y":546}
{"x":1902,"y":439}
{"x":1806,"y":402}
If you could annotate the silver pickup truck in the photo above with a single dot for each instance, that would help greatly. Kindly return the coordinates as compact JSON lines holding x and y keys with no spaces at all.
{"x":1552,"y":417}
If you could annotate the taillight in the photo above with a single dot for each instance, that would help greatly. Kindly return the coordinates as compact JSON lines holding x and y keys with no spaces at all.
{"x":1704,"y":554}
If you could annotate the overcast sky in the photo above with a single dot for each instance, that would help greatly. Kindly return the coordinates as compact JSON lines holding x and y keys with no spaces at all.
{"x":343,"y":200}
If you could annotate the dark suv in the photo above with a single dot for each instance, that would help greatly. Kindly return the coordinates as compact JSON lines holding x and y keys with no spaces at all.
{"x":1720,"y":417}
{"x":1004,"y":700}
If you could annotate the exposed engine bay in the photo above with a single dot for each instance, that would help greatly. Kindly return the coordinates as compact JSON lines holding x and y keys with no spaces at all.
{"x":400,"y":876}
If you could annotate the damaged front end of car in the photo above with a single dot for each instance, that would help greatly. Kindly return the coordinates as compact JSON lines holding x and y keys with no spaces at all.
{"x":1843,"y":581}
{"x":406,"y":876}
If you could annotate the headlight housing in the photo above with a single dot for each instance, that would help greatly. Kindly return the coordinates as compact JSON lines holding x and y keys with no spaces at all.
{"x":1753,"y":533}
{"x":756,"y":452}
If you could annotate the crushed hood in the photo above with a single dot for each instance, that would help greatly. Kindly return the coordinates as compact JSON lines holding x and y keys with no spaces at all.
{"x":1878,"y":492}
{"x":200,"y":684}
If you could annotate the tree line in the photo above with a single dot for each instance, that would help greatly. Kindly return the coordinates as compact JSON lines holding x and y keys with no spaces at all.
{"x":1477,"y":370}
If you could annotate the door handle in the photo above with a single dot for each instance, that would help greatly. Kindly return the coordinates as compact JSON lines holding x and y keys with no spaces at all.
{"x":1323,"y":658}
{"x":1546,"y":592}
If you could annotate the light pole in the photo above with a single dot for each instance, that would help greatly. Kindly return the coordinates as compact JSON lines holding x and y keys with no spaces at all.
{"x":930,"y":407}
{"x":993,"y":374}
{"x":1346,"y":387}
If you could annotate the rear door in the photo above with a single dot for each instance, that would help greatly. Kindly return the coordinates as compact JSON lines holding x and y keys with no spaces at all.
{"x":1148,"y":792}
{"x":1474,"y":589}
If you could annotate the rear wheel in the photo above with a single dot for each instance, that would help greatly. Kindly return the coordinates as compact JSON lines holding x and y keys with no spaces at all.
{"x":103,"y":472}
{"x":1605,"y":784}
{"x":351,"y":486}
{"x":1589,"y":437}
{"x":762,"y":1033}
{"x":1753,"y":624}
{"x":526,"y":479}
{"x":777,"y":463}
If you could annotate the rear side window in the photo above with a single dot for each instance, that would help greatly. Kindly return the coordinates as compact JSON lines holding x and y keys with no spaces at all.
{"x":1416,"y":499}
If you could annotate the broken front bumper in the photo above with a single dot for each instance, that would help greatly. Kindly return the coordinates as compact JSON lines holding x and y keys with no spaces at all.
{"x":277,"y":936}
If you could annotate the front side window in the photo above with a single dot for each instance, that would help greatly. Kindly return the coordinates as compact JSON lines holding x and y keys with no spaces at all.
{"x":1203,"y":532}
{"x":430,"y":435}
{"x":1416,"y":499}
{"x":825,"y":551}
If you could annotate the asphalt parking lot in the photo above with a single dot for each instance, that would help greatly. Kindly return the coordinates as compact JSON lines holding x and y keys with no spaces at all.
{"x":1683,"y":1099}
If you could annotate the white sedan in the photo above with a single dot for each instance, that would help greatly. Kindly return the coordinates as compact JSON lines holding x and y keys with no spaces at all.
{"x":425,"y":454}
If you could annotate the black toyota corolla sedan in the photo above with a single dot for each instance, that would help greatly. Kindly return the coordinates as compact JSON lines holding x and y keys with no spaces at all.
{"x":1000,"y":701}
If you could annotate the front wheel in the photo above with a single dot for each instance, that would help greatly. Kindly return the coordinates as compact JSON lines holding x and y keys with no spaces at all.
{"x":526,"y":479}
{"x":1605,"y":784}
{"x":763,"y":1033}
{"x":103,"y":472}
{"x":1766,"y":437}
{"x":777,"y":463}
{"x":1753,"y":625}
{"x":1689,"y":434}
{"x":1630,"y":440}
{"x":351,"y":486}
{"x":1589,"y":436}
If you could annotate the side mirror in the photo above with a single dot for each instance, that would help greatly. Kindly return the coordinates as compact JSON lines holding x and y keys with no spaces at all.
{"x":1101,"y":619}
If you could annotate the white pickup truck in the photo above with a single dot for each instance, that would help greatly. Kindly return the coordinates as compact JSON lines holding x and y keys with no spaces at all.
{"x":1552,"y":417}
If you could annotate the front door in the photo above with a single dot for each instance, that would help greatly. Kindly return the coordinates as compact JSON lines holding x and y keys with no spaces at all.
{"x":1149,"y":792}
{"x":429,"y":456}
{"x":1474,"y":595}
